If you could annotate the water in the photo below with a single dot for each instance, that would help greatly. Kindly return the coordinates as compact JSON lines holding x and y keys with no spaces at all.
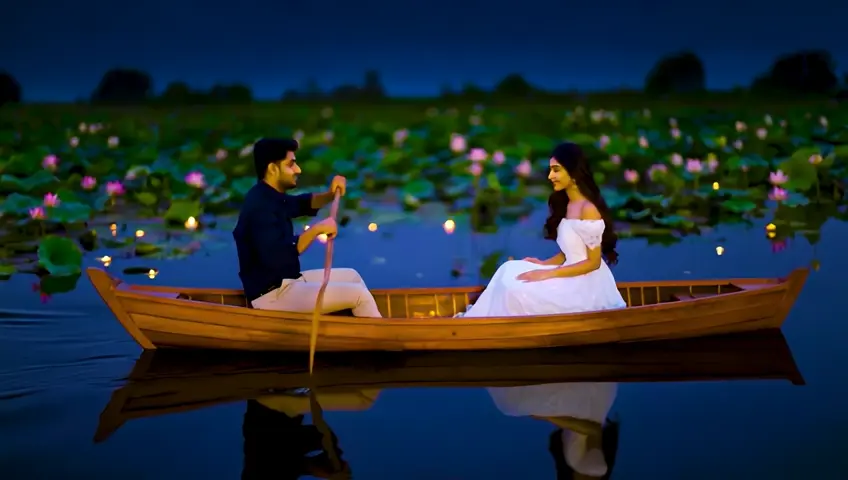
{"x":57,"y":373}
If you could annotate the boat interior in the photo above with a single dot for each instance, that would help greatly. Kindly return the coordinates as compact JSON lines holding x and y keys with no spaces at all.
{"x":447,"y":302}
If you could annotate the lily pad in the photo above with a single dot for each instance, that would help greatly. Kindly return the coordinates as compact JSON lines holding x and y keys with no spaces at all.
{"x":181,"y":210}
{"x":60,"y":256}
{"x":55,"y":284}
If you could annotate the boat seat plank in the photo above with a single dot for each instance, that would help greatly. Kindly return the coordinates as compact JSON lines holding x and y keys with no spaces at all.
{"x":681,"y":297}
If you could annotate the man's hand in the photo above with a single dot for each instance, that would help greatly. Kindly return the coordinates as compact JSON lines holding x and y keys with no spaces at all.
{"x":327,"y":226}
{"x":338,"y":183}
{"x":536,"y":275}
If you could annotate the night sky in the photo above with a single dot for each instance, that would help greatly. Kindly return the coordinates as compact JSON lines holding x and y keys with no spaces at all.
{"x":58,"y":50}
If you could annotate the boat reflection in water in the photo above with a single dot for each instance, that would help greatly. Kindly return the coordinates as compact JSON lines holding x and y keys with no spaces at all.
{"x":585,"y":444}
{"x":572,"y":388}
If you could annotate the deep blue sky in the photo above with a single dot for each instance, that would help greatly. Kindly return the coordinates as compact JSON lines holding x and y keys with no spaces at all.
{"x":59,"y":50}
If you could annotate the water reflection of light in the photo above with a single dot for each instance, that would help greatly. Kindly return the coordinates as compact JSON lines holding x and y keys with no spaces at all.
{"x":449,"y":226}
{"x":372,"y":227}
{"x":191,"y":223}
{"x":139,"y":233}
{"x":114,"y":229}
{"x":106,"y":260}
{"x":152,"y":273}
{"x":771,"y":234}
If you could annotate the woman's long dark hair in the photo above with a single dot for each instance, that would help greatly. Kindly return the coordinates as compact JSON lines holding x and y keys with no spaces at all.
{"x":571,"y":157}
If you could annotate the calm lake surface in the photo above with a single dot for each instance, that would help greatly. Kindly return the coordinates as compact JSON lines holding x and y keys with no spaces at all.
{"x":57,"y":373}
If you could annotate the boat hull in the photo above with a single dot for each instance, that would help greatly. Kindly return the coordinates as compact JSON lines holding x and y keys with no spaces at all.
{"x":160,"y":317}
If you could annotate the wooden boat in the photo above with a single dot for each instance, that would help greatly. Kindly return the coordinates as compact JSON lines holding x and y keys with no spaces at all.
{"x":422,"y":318}
{"x":170,"y":381}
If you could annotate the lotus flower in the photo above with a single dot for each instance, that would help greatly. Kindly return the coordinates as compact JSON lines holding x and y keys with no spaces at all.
{"x":762,"y":133}
{"x":400,"y":136}
{"x":248,"y":149}
{"x":221,"y":155}
{"x":712,"y":162}
{"x":51,"y":200}
{"x":603,"y":141}
{"x":88,"y":183}
{"x":784,"y":123}
{"x":82,"y":127}
{"x":675,"y":133}
{"x":113,"y":141}
{"x":498,"y":158}
{"x":694,"y":166}
{"x":458,"y":143}
{"x":768,"y":120}
{"x":114,"y":188}
{"x":50,"y":162}
{"x":73,"y":142}
{"x":524,"y":168}
{"x":37,"y":213}
{"x":615,"y":159}
{"x":777,"y":194}
{"x":328,"y":136}
{"x":816,"y":159}
{"x":476,"y":169}
{"x":643,"y":142}
{"x":676,"y":159}
{"x":195,"y":179}
{"x":740,"y":126}
{"x":823,"y":121}
{"x":738,"y":145}
{"x":597,"y":116}
{"x":778,"y":178}
{"x":631,"y":176}
{"x":477,"y":155}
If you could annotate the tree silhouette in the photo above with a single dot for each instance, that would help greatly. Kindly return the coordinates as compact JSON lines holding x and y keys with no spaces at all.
{"x":123,"y":86}
{"x":179,"y":93}
{"x":514,"y":86}
{"x":10,"y":89}
{"x":372,"y":86}
{"x":809,"y":71}
{"x":682,"y":72}
{"x":234,"y":94}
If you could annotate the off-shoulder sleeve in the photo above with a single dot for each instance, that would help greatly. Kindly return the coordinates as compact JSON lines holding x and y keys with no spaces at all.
{"x":590,"y":231}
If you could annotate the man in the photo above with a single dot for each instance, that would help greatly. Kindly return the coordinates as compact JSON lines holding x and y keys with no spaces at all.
{"x":269,"y":250}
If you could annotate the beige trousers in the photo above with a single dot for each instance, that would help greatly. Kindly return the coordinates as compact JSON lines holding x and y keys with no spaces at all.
{"x":346,"y":289}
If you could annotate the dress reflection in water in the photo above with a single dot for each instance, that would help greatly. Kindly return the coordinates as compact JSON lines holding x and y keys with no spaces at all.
{"x":581,"y":410}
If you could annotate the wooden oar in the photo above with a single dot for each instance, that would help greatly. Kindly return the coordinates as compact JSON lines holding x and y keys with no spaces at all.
{"x":319,"y":302}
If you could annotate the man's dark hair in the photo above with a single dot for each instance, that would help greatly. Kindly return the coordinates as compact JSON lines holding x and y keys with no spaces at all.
{"x":271,"y":150}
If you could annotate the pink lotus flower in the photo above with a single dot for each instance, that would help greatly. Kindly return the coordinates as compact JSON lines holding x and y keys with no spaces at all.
{"x":400,"y":136}
{"x":777,"y":194}
{"x":615,"y":159}
{"x":816,"y":159}
{"x":221,"y":155}
{"x":498,"y":158}
{"x":767,"y":118}
{"x":524,"y":168}
{"x":762,"y":133}
{"x":88,"y":183}
{"x":113,"y":141}
{"x":675,"y":133}
{"x":73,"y":142}
{"x":657,"y":170}
{"x":603,"y":141}
{"x":50,"y":162}
{"x":631,"y":176}
{"x":778,"y":178}
{"x":114,"y":188}
{"x":37,"y":213}
{"x":195,"y":179}
{"x":676,"y":159}
{"x":643,"y":142}
{"x":823,"y":121}
{"x":477,"y":155}
{"x":476,"y":169}
{"x":458,"y":143}
{"x":712,"y":162}
{"x":694,"y":166}
{"x":328,"y":136}
{"x":51,"y":200}
{"x":738,"y":145}
{"x":741,"y":127}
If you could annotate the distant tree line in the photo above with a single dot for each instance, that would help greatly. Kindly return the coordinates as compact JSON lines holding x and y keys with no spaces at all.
{"x":808,"y":72}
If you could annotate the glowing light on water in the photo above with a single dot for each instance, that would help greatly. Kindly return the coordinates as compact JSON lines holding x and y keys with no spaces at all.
{"x":372,"y":227}
{"x":449,"y":226}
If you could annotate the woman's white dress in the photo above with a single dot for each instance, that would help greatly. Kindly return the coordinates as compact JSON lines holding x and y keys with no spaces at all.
{"x":507,"y":296}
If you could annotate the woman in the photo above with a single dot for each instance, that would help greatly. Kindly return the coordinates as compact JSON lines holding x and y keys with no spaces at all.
{"x":576,"y":279}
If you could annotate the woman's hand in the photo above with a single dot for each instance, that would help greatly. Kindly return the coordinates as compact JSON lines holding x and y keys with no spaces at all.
{"x":536,"y":275}
{"x":533,"y":260}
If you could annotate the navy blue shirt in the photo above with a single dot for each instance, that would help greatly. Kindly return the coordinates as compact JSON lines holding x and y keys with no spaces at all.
{"x":265,"y":238}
